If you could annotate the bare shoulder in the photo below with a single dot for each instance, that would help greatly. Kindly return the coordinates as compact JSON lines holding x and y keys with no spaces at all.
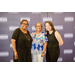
{"x":56,"y":32}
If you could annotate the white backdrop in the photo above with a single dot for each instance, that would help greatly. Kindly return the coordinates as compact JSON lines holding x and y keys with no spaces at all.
{"x":64,"y":23}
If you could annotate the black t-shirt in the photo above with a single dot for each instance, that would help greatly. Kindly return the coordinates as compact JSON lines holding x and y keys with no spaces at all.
{"x":22,"y":39}
{"x":52,"y":41}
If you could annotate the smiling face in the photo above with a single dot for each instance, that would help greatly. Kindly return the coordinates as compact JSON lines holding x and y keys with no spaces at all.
{"x":38,"y":27}
{"x":48,"y":27}
{"x":24,"y":25}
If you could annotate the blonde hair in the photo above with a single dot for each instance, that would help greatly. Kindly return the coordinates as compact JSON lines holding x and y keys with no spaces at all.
{"x":39,"y":23}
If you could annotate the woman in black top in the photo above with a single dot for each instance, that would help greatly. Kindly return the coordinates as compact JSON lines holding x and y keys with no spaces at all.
{"x":54,"y":41}
{"x":21,"y":43}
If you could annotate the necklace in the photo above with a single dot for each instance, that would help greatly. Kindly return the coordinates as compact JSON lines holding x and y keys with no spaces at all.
{"x":27,"y":36}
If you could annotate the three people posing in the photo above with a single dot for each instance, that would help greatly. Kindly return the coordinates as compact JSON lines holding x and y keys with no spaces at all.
{"x":24,"y":44}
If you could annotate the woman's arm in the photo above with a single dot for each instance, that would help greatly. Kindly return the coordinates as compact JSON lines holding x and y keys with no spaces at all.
{"x":44,"y":49}
{"x":58,"y":37}
{"x":13,"y":45}
{"x":14,"y":48}
{"x":45,"y":46}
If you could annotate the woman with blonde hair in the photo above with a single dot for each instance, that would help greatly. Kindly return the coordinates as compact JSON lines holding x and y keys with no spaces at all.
{"x":39,"y":43}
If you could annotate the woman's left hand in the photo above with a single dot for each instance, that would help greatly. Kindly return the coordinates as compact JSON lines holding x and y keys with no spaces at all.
{"x":42,"y":54}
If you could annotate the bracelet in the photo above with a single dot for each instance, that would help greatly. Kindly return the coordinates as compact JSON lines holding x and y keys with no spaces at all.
{"x":15,"y":52}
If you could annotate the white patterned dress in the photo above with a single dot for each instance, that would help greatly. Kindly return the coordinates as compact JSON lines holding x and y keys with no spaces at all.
{"x":38,"y":42}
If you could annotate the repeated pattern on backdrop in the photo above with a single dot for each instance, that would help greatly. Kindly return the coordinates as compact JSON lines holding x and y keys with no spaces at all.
{"x":64,"y":23}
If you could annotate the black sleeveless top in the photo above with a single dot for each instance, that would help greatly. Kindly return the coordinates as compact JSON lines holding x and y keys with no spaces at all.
{"x":52,"y":41}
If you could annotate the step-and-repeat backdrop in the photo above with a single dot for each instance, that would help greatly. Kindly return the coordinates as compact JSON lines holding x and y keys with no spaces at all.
{"x":64,"y":23}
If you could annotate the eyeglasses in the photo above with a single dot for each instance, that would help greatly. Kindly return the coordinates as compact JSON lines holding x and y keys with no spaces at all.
{"x":38,"y":26}
{"x":24,"y":23}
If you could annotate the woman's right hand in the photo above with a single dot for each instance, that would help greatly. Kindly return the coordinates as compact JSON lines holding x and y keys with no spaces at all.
{"x":16,"y":56}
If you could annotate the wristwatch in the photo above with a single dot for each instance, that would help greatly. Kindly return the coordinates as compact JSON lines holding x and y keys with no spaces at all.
{"x":43,"y":52}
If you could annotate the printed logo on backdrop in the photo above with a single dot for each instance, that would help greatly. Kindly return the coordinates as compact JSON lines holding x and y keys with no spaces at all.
{"x":74,"y":58}
{"x":33,"y":28}
{"x":60,"y":59}
{"x":68,"y":51}
{"x":68,"y":35}
{"x":3,"y":19}
{"x":58,"y":27}
{"x":74,"y":43}
{"x":13,"y":12}
{"x":36,"y":12}
{"x":11,"y":60}
{"x":58,"y":12}
{"x":10,"y":45}
{"x":12,"y":28}
{"x":69,"y":19}
{"x":4,"y":54}
{"x":47,"y":19}
{"x":27,"y":18}
{"x":3,"y":36}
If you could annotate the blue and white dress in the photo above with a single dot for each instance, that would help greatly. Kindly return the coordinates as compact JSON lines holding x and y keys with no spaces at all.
{"x":38,"y":42}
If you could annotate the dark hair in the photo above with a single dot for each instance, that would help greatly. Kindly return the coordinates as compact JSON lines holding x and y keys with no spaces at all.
{"x":23,"y":21}
{"x":51,"y":24}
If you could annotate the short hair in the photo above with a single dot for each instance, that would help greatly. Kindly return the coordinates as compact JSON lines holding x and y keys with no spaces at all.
{"x":51,"y":24}
{"x":39,"y":23}
{"x":23,"y":21}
